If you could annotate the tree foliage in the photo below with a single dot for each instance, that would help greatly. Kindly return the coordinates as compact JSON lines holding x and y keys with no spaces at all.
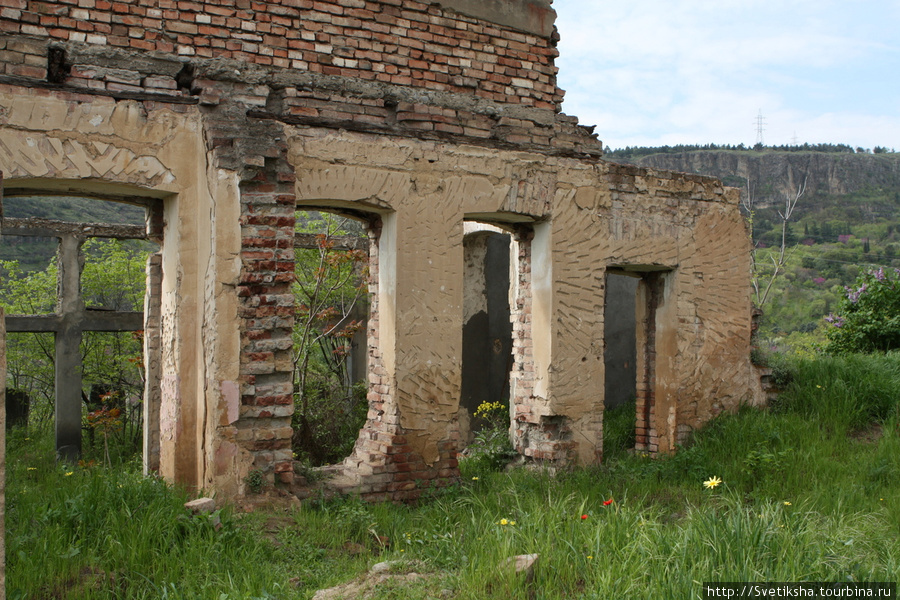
{"x":868,"y":318}
{"x":330,"y":288}
{"x":113,"y":279}
{"x":637,"y":151}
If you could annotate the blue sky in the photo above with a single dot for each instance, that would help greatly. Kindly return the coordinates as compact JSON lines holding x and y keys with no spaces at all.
{"x":656,"y":72}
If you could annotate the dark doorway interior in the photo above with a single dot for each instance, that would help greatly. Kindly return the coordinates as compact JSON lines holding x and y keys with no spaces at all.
{"x":487,"y":329}
{"x":620,"y":335}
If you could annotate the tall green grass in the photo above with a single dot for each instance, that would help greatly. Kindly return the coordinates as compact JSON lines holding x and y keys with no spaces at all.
{"x":811,"y":491}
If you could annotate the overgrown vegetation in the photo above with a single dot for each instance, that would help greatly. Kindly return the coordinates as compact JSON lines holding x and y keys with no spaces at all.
{"x":330,"y":292}
{"x":112,"y":373}
{"x":868,"y":318}
{"x":810,"y":491}
{"x":491,"y":449}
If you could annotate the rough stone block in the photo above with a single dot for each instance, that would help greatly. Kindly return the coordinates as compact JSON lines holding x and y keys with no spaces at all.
{"x":201,"y":505}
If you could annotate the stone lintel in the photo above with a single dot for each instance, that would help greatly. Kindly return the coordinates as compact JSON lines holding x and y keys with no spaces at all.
{"x":532,"y":16}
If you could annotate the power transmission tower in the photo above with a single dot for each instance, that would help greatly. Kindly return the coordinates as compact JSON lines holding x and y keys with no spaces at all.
{"x":759,"y":128}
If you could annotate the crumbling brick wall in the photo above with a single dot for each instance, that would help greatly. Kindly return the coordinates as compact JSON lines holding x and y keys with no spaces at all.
{"x":390,"y":41}
{"x":417,"y":116}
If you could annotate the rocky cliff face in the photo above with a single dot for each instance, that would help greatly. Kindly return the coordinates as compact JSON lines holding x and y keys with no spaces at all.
{"x":773,"y":174}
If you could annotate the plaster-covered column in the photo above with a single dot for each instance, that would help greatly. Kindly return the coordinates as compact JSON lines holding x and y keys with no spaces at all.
{"x":183,"y":323}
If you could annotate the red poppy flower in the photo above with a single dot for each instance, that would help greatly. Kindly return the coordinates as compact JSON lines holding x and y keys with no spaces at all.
{"x":607,"y":502}
{"x":583,"y":517}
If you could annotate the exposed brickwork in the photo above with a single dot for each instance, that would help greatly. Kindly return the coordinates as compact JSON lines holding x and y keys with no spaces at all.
{"x":522,"y":375}
{"x":292,"y":96}
{"x":536,"y":434}
{"x":267,"y":313}
{"x":391,"y":41}
{"x":646,"y":435}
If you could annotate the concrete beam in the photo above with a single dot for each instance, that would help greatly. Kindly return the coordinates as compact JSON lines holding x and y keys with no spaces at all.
{"x":533,"y":16}
{"x":36,"y":227}
{"x":88,"y":320}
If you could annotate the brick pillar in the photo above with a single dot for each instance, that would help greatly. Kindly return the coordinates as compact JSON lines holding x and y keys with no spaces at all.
{"x":267,"y":319}
{"x":383,"y":465}
{"x":381,"y":449}
{"x":537,"y":432}
{"x":648,"y":297}
{"x":522,"y":377}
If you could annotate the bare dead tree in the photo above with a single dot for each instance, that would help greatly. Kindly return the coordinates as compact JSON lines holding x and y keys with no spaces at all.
{"x":762,"y":278}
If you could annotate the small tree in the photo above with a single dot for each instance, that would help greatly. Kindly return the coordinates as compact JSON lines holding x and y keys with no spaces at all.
{"x":868,"y":318}
{"x":330,"y":284}
{"x":764,"y":274}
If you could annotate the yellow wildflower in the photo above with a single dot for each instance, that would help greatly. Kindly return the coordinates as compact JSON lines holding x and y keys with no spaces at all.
{"x":712,"y":482}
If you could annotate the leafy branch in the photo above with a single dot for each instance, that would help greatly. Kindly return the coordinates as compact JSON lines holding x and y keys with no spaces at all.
{"x":329,"y":285}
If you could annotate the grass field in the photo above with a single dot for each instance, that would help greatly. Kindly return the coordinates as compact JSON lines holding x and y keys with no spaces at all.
{"x":810,"y":492}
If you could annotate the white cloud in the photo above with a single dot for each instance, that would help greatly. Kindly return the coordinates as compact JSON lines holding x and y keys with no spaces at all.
{"x":697,"y":71}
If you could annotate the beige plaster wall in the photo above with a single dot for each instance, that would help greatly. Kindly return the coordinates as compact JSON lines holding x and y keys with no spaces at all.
{"x":647,"y":220}
{"x":226,"y":463}
{"x":586,"y":215}
{"x":590,"y":216}
{"x":119,"y":147}
{"x":429,"y":189}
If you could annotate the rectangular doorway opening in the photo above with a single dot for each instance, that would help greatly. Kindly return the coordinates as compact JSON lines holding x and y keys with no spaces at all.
{"x":620,"y":362}
{"x":633,"y":295}
{"x":487,"y":329}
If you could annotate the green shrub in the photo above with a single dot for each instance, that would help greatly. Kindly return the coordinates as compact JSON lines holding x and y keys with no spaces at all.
{"x":327,"y":424}
{"x":868,"y":318}
{"x":491,"y":450}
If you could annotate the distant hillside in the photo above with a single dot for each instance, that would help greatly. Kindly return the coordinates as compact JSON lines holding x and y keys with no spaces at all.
{"x":776,"y":172}
{"x":34,"y":254}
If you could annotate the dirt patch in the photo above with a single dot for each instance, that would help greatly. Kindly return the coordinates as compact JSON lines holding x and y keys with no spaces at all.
{"x":392,"y":573}
{"x":869,"y":434}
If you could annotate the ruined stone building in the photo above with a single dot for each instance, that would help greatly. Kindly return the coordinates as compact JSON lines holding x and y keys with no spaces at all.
{"x":438,"y":124}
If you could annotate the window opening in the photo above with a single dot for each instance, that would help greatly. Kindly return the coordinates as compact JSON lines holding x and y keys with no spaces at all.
{"x":73,"y":288}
